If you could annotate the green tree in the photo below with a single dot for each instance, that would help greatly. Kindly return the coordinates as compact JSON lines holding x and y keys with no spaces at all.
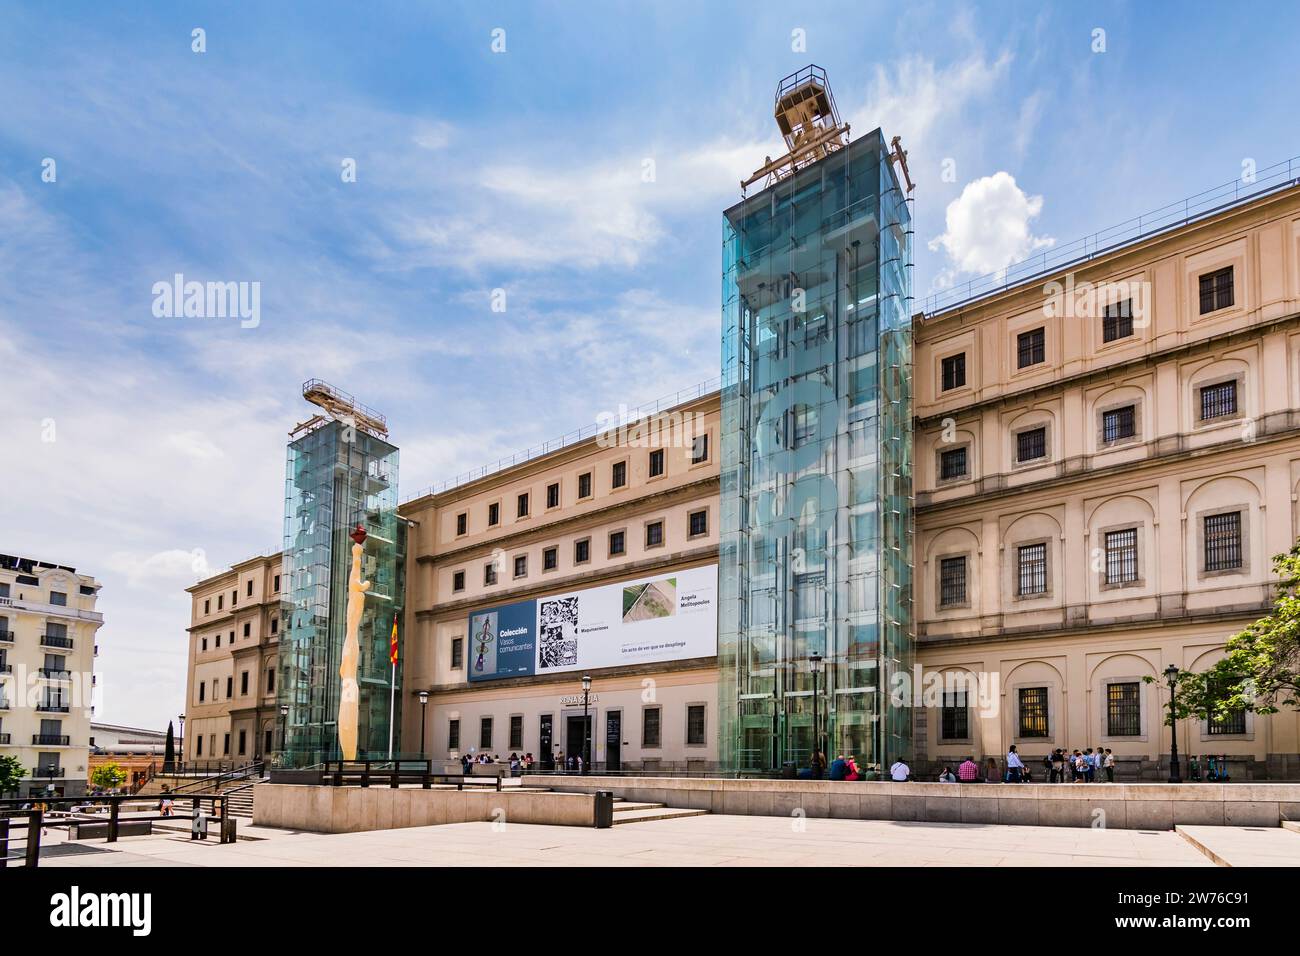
{"x":1260,"y":669}
{"x":110,"y":776}
{"x":11,"y":772}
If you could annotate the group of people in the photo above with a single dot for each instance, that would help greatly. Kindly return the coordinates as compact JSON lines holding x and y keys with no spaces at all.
{"x":1088,"y":766}
{"x":517,"y":763}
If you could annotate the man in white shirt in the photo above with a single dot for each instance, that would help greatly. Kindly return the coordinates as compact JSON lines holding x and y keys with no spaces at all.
{"x":900,"y":771}
{"x":1015,"y":769}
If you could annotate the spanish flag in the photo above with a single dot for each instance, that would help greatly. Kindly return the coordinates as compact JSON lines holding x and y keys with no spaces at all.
{"x":392,"y":643}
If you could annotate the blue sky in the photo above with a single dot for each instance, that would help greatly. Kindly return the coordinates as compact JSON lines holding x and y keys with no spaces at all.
{"x":476,"y":171}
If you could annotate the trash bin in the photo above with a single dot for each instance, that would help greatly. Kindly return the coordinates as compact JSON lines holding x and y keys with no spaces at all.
{"x":604,"y":809}
{"x":789,"y":771}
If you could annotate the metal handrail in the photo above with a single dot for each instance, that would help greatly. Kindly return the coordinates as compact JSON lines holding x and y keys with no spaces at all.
{"x":1202,"y":205}
{"x":216,"y":780}
{"x":570,"y":438}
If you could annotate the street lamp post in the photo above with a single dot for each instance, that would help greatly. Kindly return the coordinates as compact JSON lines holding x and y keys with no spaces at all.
{"x":814,"y":664}
{"x":181,"y":718}
{"x":424,"y":703}
{"x":1175,"y":772}
{"x":586,"y":724}
{"x":284,"y":727}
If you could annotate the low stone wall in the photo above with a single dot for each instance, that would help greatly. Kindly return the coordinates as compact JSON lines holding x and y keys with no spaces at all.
{"x":350,"y":809}
{"x":1133,"y":806}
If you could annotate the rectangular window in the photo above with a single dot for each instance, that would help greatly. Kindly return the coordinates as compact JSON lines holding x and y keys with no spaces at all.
{"x":458,"y":581}
{"x":700,"y":449}
{"x":1234,"y":721}
{"x":207,"y":607}
{"x":952,"y":464}
{"x":230,"y":687}
{"x":270,"y":680}
{"x":277,"y":584}
{"x":453,"y":735}
{"x":1121,"y":556}
{"x":248,"y":628}
{"x":225,"y":745}
{"x":550,"y":558}
{"x":952,"y":581}
{"x":521,"y":506}
{"x":553,"y":495}
{"x":582,"y":551}
{"x":1223,"y":541}
{"x":954,"y":722}
{"x":584,"y":485}
{"x":457,"y":653}
{"x":1031,"y":348}
{"x":617,"y":543}
{"x":1216,"y":290}
{"x":516,"y":732}
{"x":243,"y":742}
{"x":1119,"y":423}
{"x":250,"y":589}
{"x":695,"y":725}
{"x":1031,"y":444}
{"x":275,"y":625}
{"x":1117,"y":321}
{"x":485,"y":733}
{"x":954,"y":371}
{"x":618,"y":474}
{"x":1219,"y":400}
{"x":198,"y":746}
{"x":698,"y":523}
{"x":462,"y":523}
{"x":494,"y":514}
{"x":1124,"y":710}
{"x":654,"y":534}
{"x":243,"y":683}
{"x":220,"y":598}
{"x":269,"y":744}
{"x":1033,"y":712}
{"x":650,"y":727}
{"x":203,"y":692}
{"x":59,"y":598}
{"x":521,"y":565}
{"x":489,"y":573}
{"x":656,"y":462}
{"x":1031,"y":569}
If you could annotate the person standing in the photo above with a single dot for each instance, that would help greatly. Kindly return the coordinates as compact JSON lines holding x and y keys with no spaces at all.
{"x":1110,"y":766}
{"x":1015,"y":769}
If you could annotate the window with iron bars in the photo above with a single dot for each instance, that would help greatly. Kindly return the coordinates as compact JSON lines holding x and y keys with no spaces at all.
{"x":1117,"y":321}
{"x":1121,"y":556}
{"x":952,"y":581}
{"x":1219,"y":400}
{"x":1234,"y":721}
{"x":1033,"y":712}
{"x":952,"y":464}
{"x":1216,"y":290}
{"x":1031,"y":444}
{"x":1032,"y":569}
{"x":1223,"y":541}
{"x":1119,"y":423}
{"x":954,"y":723}
{"x":1123,"y":710}
{"x":1031,"y":348}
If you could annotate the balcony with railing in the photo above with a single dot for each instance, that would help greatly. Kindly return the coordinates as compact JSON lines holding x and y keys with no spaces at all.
{"x":52,"y":707}
{"x":47,"y":773}
{"x":4,"y":740}
{"x":56,"y":640}
{"x":56,"y":673}
{"x":6,"y":637}
{"x":52,"y":740}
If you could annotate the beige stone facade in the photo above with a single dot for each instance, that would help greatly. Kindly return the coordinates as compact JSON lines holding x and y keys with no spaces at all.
{"x":601,"y":511}
{"x":234,"y":637}
{"x":48,"y":625}
{"x":1100,"y":489}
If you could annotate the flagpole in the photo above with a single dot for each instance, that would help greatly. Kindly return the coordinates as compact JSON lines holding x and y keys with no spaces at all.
{"x":392,"y":701}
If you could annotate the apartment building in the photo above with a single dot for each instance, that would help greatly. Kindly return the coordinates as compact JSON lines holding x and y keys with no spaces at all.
{"x":1107,"y":458}
{"x":234,"y":634}
{"x":596,"y":560}
{"x":48,"y":624}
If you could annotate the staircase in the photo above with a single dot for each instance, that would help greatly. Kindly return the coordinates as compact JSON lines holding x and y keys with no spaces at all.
{"x":239,"y":802}
{"x":626,"y":811}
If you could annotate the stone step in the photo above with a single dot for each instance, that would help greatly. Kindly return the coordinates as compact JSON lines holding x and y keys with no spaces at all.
{"x":657,"y":813}
{"x":1244,"y":846}
{"x":1291,"y":825}
{"x":626,"y":806}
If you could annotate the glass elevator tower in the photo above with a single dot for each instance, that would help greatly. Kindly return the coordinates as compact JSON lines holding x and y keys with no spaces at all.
{"x":815,"y":613}
{"x":340,"y":471}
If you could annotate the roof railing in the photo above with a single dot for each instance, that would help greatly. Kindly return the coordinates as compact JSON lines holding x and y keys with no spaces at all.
{"x":1202,"y":205}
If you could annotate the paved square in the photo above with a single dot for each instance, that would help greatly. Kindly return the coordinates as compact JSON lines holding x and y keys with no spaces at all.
{"x":715,"y":840}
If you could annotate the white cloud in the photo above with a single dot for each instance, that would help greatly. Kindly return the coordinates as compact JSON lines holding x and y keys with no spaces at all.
{"x":988,"y":226}
{"x":171,"y":568}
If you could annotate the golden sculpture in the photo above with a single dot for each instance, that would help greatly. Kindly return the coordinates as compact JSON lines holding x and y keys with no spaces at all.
{"x":350,"y":693}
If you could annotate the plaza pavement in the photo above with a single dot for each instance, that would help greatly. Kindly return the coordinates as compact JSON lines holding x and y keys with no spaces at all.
{"x":714,"y":840}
